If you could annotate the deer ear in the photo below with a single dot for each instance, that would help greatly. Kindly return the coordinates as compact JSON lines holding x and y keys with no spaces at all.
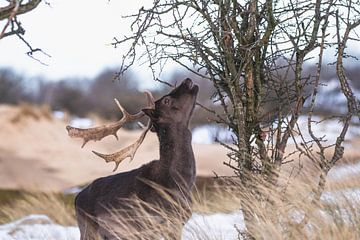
{"x":150,"y":113}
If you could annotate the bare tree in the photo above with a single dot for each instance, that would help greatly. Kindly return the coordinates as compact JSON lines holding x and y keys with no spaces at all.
{"x":10,"y":12}
{"x":13,"y":26}
{"x":254,"y":52}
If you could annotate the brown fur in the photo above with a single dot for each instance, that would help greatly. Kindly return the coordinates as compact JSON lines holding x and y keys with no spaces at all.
{"x":174,"y":171}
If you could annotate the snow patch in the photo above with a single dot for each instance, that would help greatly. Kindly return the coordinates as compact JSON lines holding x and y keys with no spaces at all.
{"x":210,"y":133}
{"x":214,"y":226}
{"x":37,"y":227}
{"x":81,"y":122}
{"x":40,"y":227}
{"x":328,"y":129}
{"x":59,"y":115}
{"x":331,"y":97}
{"x":341,"y":172}
{"x":351,"y":196}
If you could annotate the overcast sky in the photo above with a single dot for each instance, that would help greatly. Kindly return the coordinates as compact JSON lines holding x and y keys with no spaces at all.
{"x":77,"y":36}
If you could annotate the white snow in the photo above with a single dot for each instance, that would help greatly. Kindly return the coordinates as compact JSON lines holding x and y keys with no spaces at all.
{"x":351,"y":196}
{"x":341,"y":172}
{"x":329,"y":129}
{"x":214,"y":226}
{"x":58,"y":114}
{"x":331,"y":97}
{"x":347,"y":202}
{"x":81,"y":122}
{"x":37,"y":227}
{"x":210,"y":133}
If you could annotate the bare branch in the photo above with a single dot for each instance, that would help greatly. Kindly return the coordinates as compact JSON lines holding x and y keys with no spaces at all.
{"x":15,"y":8}
{"x":7,"y":12}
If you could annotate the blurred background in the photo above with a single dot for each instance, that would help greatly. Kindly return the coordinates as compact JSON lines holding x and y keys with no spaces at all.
{"x":63,"y":73}
{"x":71,"y":81}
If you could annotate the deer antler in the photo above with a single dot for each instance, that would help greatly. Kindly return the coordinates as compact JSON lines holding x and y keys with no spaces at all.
{"x":98,"y":133}
{"x":128,"y":151}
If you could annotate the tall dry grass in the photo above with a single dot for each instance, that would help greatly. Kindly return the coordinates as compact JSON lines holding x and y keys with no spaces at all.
{"x":57,"y":206}
{"x":27,"y":110}
{"x":288,"y":212}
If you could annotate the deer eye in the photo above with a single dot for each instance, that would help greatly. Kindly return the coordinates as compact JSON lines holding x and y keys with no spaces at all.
{"x":166,"y":101}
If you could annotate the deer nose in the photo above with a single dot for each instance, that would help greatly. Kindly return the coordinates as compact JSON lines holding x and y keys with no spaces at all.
{"x":188,"y":82}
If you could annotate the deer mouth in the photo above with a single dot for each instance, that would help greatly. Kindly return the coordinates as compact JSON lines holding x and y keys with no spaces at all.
{"x":186,"y":87}
{"x":188,"y":82}
{"x":191,"y":86}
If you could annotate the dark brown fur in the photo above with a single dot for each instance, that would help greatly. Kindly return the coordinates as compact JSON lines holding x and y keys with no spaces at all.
{"x":174,"y":171}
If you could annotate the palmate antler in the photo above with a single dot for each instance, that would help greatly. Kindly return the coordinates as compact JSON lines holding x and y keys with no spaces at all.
{"x":98,"y":133}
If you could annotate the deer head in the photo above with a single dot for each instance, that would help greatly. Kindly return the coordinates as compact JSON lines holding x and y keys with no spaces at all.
{"x":175,"y":107}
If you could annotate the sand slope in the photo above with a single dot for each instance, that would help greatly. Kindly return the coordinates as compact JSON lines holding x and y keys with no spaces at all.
{"x":36,"y":153}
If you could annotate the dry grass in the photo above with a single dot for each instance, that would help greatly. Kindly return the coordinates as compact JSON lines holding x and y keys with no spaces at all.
{"x":285,"y":213}
{"x":58,"y":207}
{"x":289,"y":212}
{"x":27,"y":110}
{"x":277,"y":214}
{"x":146,"y":222}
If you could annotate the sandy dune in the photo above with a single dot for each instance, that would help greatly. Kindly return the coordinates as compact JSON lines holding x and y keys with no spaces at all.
{"x":36,"y":153}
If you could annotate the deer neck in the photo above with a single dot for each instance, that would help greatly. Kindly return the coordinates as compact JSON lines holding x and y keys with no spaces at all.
{"x":176,"y":153}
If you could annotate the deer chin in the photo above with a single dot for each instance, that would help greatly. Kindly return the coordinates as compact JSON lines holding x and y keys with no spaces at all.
{"x":194,"y":89}
{"x":188,"y":82}
{"x":190,"y":87}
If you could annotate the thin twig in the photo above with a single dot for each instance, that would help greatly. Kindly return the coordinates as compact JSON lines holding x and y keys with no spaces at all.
{"x":16,"y":4}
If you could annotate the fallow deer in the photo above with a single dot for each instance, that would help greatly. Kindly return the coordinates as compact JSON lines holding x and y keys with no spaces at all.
{"x":175,"y":170}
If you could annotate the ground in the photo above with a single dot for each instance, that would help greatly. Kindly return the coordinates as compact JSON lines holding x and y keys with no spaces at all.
{"x":36,"y":154}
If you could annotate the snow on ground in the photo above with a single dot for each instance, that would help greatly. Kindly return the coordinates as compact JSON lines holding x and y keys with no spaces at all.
{"x":330,"y":96}
{"x":214,"y":226}
{"x":329,"y":129}
{"x":351,"y":196}
{"x":39,"y":227}
{"x":218,"y":226}
{"x":343,"y":171}
{"x":81,"y":122}
{"x":210,"y":133}
{"x":59,"y":115}
{"x":75,"y":121}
